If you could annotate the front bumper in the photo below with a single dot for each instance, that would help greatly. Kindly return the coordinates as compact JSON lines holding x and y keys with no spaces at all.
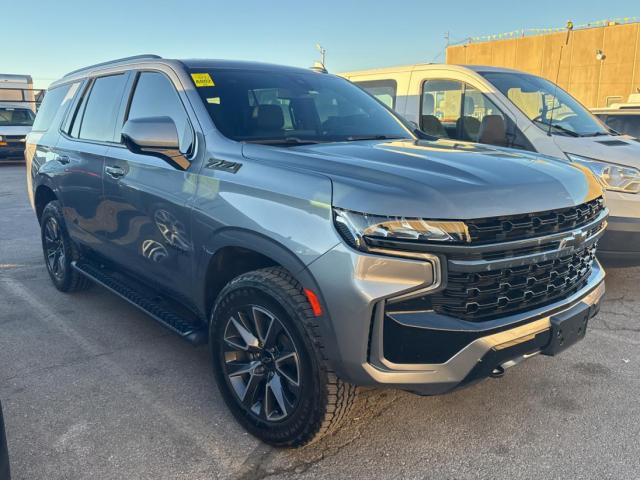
{"x":620,"y":246}
{"x":12,"y":153}
{"x":356,"y":289}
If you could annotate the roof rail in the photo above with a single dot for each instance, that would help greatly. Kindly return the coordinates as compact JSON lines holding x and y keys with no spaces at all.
{"x":115,"y":62}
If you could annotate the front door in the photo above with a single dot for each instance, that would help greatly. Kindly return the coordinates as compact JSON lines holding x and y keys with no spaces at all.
{"x":151,"y":198}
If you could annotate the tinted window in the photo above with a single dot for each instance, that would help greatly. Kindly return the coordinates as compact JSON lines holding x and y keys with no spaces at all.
{"x":50,"y":105}
{"x":101,"y":108}
{"x":290,"y":107}
{"x":383,"y":90}
{"x":155,"y":96}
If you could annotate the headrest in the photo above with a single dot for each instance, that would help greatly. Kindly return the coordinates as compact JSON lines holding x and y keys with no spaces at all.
{"x":493,"y":130}
{"x":427,"y":104}
{"x":268,"y":117}
{"x":469,"y":105}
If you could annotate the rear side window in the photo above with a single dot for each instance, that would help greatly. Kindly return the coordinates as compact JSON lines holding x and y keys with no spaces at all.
{"x":97,"y":115}
{"x":383,"y":90}
{"x":50,"y":106}
{"x":155,"y":96}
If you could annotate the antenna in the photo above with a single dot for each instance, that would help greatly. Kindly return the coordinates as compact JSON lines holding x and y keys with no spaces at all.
{"x":555,"y":89}
{"x":323,"y":53}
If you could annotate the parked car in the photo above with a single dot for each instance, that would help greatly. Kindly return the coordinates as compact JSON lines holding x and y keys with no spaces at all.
{"x":498,"y":106}
{"x":308,"y":234}
{"x":623,"y":118}
{"x":17,"y":111}
{"x":4,"y":451}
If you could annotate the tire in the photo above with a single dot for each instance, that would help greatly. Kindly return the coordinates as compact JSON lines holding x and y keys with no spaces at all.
{"x":59,"y":251}
{"x":259,"y":365}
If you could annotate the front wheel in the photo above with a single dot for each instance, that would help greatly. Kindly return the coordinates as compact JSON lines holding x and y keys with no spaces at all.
{"x":268,"y":363}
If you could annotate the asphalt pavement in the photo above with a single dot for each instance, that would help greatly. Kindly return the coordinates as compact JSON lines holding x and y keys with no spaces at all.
{"x":94,"y":389}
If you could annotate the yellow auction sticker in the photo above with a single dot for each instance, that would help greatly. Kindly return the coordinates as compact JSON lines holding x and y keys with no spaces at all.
{"x":214,"y":100}
{"x":202,"y":80}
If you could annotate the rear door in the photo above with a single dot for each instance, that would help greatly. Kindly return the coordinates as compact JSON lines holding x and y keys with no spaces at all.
{"x":151,"y":217}
{"x":41,"y":141}
{"x":86,"y":135}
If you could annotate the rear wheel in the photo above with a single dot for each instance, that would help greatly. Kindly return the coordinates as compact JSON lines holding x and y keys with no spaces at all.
{"x":268,"y":362}
{"x":59,"y":251}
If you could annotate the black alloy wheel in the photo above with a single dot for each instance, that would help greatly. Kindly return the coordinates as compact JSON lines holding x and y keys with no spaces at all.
{"x":262,"y":363}
{"x":54,"y":248}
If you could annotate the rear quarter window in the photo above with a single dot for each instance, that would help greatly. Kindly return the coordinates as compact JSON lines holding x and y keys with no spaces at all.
{"x":50,"y":106}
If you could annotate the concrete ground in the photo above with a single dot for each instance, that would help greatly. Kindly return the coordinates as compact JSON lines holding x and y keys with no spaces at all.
{"x":92,"y":388}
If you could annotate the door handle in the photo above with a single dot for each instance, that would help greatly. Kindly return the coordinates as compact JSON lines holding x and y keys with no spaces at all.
{"x":63,"y":159}
{"x":114,"y":172}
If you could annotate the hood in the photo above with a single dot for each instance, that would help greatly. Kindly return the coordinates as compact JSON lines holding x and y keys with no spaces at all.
{"x":14,"y":130}
{"x":437,"y":180}
{"x":620,"y":149}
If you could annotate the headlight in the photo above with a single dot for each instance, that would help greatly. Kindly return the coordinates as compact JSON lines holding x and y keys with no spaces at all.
{"x":361,"y":230}
{"x":613,"y":177}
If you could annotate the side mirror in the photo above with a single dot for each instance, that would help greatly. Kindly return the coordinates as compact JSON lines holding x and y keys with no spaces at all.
{"x":156,"y":136}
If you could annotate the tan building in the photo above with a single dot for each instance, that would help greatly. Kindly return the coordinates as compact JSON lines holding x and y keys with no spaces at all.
{"x":594,"y":82}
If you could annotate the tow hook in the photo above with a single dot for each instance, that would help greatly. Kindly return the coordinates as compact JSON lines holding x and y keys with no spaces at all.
{"x":498,"y":371}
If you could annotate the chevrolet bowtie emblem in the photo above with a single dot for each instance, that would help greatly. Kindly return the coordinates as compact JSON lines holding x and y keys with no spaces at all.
{"x":576,"y":239}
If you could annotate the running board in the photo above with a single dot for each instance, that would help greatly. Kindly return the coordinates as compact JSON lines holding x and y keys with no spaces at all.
{"x":186,"y":325}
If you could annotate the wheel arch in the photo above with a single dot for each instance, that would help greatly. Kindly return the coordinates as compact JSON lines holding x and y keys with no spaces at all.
{"x":43,"y":195}
{"x":223,"y":250}
{"x":243,"y":251}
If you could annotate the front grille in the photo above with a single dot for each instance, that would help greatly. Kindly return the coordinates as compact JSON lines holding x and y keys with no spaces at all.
{"x":517,"y":227}
{"x":489,"y":294}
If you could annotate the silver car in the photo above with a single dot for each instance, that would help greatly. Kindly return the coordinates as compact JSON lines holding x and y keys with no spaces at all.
{"x":308,"y":234}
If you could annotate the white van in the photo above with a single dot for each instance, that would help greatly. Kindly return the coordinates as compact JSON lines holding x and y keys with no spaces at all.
{"x":17,"y":113}
{"x":509,"y":108}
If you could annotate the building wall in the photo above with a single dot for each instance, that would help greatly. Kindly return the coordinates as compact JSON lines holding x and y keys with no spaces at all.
{"x":580,"y":73}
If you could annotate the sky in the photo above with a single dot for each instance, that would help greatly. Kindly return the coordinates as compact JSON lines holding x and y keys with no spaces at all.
{"x":56,"y":37}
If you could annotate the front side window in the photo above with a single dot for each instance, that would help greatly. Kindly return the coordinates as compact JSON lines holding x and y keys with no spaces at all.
{"x":457,"y":110}
{"x":546,"y":104}
{"x":155,"y":96}
{"x":482,"y":121}
{"x":289,"y":108}
{"x":97,"y":114}
{"x":440,"y":107}
{"x":16,"y":117}
{"x":383,"y":90}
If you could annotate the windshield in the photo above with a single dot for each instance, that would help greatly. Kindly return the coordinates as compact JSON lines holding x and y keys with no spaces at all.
{"x":546,"y":104}
{"x":290,"y":108}
{"x":626,"y":124}
{"x":14,"y":117}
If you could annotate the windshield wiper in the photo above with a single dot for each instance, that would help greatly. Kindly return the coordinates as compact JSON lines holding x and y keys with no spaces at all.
{"x":358,"y":138}
{"x":283,"y":141}
{"x":558,"y":127}
{"x":597,"y":134}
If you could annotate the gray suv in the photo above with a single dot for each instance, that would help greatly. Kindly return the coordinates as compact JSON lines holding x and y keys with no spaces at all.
{"x":308,"y":234}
